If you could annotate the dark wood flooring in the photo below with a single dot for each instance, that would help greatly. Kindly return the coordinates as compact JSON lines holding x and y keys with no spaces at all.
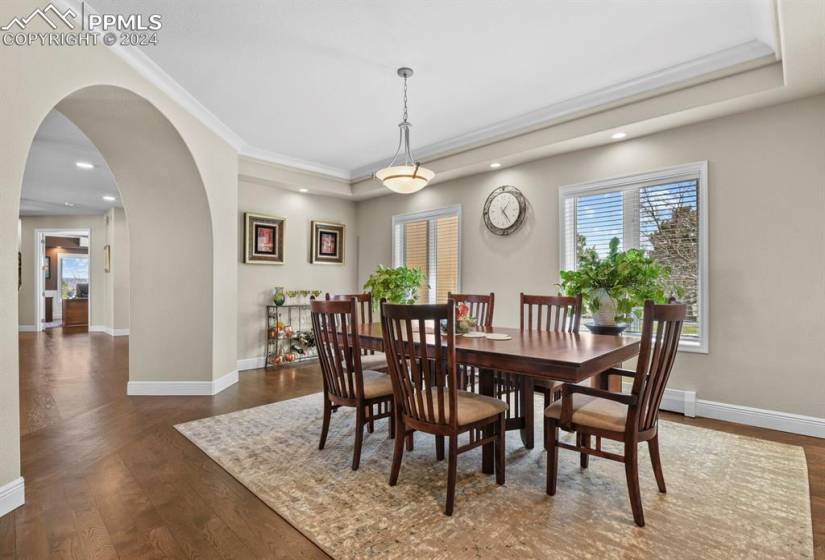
{"x":107,"y":476}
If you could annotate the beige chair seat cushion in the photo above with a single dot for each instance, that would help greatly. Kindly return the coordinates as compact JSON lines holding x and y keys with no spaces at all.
{"x":471,"y":407}
{"x":593,"y":412}
{"x":377,"y":361}
{"x":376,"y":384}
{"x":374,"y":361}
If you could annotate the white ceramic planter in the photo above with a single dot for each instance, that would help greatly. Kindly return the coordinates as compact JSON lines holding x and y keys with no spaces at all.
{"x":606,"y":315}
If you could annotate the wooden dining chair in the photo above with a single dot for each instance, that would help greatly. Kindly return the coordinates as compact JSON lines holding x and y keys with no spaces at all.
{"x":550,"y":313}
{"x":346,"y":382}
{"x":427,"y":396}
{"x":481,"y":307}
{"x":370,"y":359}
{"x":628,"y":418}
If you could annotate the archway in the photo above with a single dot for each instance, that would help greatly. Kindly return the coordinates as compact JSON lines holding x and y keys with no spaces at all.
{"x":169,"y":231}
{"x":175,"y":335}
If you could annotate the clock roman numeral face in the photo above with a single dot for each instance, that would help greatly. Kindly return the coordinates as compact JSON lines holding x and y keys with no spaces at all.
{"x":504,"y":210}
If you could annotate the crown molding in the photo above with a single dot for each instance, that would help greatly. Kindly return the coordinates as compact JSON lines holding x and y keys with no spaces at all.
{"x":732,"y":60}
{"x":735,"y":59}
{"x":158,"y":77}
{"x":294,"y":164}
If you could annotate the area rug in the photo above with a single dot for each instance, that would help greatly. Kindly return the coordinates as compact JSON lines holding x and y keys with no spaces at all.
{"x":728,"y":496}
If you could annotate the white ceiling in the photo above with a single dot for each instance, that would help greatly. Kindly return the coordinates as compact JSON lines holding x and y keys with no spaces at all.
{"x":52,"y":179}
{"x":314,"y":80}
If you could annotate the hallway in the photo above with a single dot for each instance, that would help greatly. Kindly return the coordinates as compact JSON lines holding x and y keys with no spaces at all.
{"x":107,"y":476}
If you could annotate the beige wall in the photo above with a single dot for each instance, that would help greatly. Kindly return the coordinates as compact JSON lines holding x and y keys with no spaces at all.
{"x":100,"y":300}
{"x":117,"y":279}
{"x":255,"y":282}
{"x":767,"y":233}
{"x":44,"y":76}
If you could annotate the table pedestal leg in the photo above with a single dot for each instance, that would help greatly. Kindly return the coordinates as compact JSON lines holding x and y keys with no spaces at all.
{"x":612,"y":383}
{"x":528,"y":409}
{"x":486,"y":386}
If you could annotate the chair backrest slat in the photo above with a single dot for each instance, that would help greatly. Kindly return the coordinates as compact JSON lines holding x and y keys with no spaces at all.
{"x":364,"y":305}
{"x":335,"y":324}
{"x":423,"y":371}
{"x":560,"y":313}
{"x":481,"y":306}
{"x":661,"y":331}
{"x":364,"y":301}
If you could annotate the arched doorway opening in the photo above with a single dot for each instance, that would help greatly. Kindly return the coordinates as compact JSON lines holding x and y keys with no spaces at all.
{"x":169,"y":227}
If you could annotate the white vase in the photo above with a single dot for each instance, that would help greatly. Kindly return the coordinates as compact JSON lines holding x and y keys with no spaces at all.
{"x":606,"y":314}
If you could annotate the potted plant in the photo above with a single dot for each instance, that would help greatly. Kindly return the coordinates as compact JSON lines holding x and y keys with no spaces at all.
{"x":614,"y":286}
{"x":396,"y":285}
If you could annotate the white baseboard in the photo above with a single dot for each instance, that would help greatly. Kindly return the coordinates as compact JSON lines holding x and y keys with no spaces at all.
{"x":181,"y":388}
{"x":224,"y":382}
{"x":109,"y":330}
{"x":685,"y":402}
{"x":26,"y":328}
{"x":674,"y":400}
{"x":761,"y":418}
{"x":251,"y":363}
{"x":12,"y":496}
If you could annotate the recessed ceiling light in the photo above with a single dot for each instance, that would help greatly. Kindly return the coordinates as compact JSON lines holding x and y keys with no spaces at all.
{"x":495,"y":165}
{"x":303,"y":190}
{"x":109,"y":198}
{"x":619,"y":135}
{"x":84,"y":165}
{"x":69,"y":204}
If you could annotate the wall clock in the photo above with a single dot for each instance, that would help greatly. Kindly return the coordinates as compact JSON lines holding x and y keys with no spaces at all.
{"x":504,"y":210}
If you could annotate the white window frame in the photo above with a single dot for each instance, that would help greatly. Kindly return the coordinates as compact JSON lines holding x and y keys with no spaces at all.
{"x":689,"y":171}
{"x":398,"y":243}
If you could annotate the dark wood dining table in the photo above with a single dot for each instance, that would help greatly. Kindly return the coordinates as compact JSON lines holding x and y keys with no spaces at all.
{"x":560,"y":356}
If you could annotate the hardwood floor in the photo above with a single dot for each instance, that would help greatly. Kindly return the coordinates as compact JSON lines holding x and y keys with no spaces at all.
{"x":107,"y":476}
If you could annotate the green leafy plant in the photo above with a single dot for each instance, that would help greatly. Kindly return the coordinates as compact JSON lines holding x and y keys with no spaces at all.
{"x":396,"y":285}
{"x":629,"y":277}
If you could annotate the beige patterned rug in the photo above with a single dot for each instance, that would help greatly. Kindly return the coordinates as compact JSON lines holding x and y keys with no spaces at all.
{"x":728,"y":496}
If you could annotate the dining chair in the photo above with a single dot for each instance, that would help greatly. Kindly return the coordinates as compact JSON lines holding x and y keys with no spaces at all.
{"x":370,"y":359}
{"x":427,"y":395}
{"x":628,"y":418}
{"x":481,"y":307}
{"x":552,"y":313}
{"x":346,"y":382}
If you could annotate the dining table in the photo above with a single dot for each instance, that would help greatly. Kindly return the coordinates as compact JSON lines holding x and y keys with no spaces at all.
{"x":532,"y":354}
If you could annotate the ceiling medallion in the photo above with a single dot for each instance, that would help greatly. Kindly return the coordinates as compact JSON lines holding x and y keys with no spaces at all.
{"x":406,"y":176}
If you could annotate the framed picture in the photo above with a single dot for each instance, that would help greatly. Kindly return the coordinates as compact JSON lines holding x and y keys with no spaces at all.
{"x":327,"y":243}
{"x":47,"y":267}
{"x":107,"y":258}
{"x":263,"y":239}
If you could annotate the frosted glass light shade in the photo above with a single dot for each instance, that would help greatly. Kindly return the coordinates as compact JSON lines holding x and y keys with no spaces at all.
{"x":404,"y":179}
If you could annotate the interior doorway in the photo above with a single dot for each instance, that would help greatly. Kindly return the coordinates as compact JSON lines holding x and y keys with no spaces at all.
{"x":63,"y":293}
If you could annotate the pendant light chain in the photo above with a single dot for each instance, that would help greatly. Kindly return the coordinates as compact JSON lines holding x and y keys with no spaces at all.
{"x":405,"y":99}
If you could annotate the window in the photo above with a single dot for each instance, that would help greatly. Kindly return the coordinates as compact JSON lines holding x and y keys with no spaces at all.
{"x":74,"y":275}
{"x":663,"y":212}
{"x":430,"y":241}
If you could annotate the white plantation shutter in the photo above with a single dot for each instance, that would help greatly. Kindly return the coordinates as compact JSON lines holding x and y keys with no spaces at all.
{"x":430,"y":241}
{"x":661,"y":212}
{"x":446,"y":257}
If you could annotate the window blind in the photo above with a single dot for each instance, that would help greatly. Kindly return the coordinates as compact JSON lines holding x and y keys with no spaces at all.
{"x":430,"y":242}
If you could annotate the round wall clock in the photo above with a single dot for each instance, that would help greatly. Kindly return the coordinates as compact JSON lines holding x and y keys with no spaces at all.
{"x":504,"y":210}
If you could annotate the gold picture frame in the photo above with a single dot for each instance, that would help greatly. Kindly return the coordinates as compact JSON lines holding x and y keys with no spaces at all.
{"x":327,"y":243}
{"x":263,"y":239}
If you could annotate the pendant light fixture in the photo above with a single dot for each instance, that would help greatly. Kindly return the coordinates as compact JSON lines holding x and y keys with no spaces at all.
{"x":405,"y":176}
